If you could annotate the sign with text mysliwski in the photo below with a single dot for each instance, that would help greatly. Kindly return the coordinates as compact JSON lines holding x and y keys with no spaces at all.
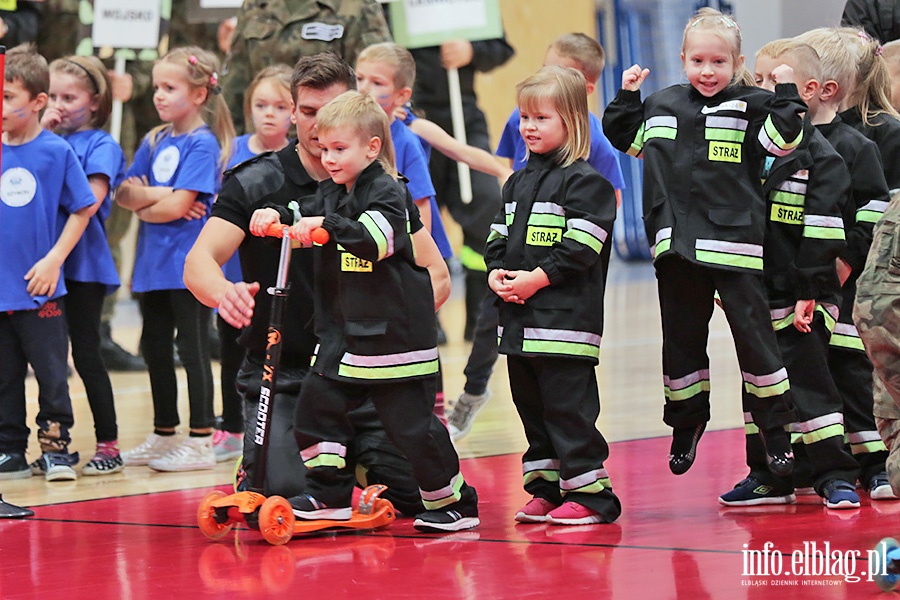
{"x":126,"y":23}
{"x":419,"y":23}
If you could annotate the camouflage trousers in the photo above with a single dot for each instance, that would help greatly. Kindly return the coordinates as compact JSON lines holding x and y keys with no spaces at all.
{"x":876,"y":313}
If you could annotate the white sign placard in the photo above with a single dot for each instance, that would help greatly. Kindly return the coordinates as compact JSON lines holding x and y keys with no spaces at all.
{"x":126,"y":23}
{"x":423,"y":18}
{"x":221,"y":3}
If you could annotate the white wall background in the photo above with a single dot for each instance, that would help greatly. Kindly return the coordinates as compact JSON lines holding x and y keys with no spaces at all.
{"x":765,"y":20}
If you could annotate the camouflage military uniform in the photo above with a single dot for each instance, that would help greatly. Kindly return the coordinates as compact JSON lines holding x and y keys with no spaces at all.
{"x":877,"y":317}
{"x":281,"y":31}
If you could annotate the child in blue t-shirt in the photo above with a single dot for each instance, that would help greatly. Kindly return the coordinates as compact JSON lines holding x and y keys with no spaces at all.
{"x":170,"y":187}
{"x":80,"y":104}
{"x":267,"y":105}
{"x":41,"y":179}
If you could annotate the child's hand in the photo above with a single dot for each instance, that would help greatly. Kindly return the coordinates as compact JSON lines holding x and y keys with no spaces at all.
{"x":783,"y":74}
{"x":302,"y":229}
{"x":138,"y":181}
{"x":843,"y":270}
{"x":237,"y":305}
{"x":122,"y":86}
{"x":497,"y":281}
{"x":43,"y":277}
{"x":261,"y":219}
{"x":456,"y":54}
{"x":526,"y":284}
{"x":803,"y":315}
{"x":400,"y":113}
{"x":196,"y":211}
{"x":51,"y":119}
{"x":633,"y":77}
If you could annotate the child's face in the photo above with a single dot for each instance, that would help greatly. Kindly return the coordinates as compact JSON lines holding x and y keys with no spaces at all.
{"x":762,"y":71}
{"x":377,"y":80}
{"x":175,"y":99}
{"x":270,"y":110}
{"x":708,"y":62}
{"x":346,"y":152}
{"x":20,"y":110}
{"x":542,"y":128}
{"x":71,"y":100}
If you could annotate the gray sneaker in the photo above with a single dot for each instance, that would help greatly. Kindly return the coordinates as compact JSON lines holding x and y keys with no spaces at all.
{"x":462,"y":415}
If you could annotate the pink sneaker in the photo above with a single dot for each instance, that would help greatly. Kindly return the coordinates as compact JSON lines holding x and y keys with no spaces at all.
{"x":535,"y":511}
{"x":572,"y":513}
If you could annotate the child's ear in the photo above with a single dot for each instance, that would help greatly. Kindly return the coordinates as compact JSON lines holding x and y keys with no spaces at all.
{"x":373,"y":148}
{"x":828,"y":90}
{"x":404,"y":95}
{"x":40,"y":101}
{"x":200,"y":95}
{"x":809,"y":90}
{"x":590,"y":88}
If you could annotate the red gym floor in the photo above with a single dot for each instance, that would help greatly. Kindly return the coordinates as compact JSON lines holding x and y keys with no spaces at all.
{"x":672,"y":541}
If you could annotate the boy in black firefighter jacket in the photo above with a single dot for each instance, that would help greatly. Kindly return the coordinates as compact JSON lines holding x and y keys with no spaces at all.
{"x":705,"y":214}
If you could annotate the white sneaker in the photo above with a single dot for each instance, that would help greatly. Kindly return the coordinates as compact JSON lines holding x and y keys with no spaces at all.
{"x":227,"y":445}
{"x":462,"y":416}
{"x":194,"y":454}
{"x":153,"y":447}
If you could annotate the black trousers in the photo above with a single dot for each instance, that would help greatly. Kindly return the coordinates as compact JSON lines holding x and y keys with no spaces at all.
{"x":558,"y":402}
{"x":324,"y":434}
{"x":484,"y":352}
{"x":686,"y":299}
{"x":231,"y":356}
{"x":84,"y":305}
{"x":37,"y":337}
{"x":175,"y":315}
{"x":819,"y":410}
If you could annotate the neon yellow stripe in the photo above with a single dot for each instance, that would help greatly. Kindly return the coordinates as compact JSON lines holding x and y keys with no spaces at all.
{"x":493,"y":235}
{"x":783,"y":323}
{"x":777,"y":138}
{"x":666,"y":133}
{"x":326,"y":460}
{"x":725,"y":135}
{"x":545,"y":220}
{"x":767,"y":391}
{"x":592,"y":488}
{"x":455,"y":496}
{"x":829,"y":320}
{"x":554,"y":347}
{"x":868,"y":447}
{"x":471,"y":259}
{"x":789,"y":198}
{"x":663,"y":246}
{"x":376,"y":233}
{"x":730,"y":260}
{"x":868,"y":216}
{"x":823,"y":233}
{"x":688,"y":392}
{"x":846,"y":341}
{"x":836,"y":430}
{"x":391,"y":372}
{"x":548,"y":475}
{"x":751,"y":429}
{"x":585,"y":238}
{"x":638,"y":144}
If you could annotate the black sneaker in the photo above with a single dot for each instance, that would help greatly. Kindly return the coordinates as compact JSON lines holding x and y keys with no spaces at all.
{"x":752,"y":492}
{"x":445,"y":520}
{"x":117,"y":358}
{"x":684,"y":448}
{"x":13,"y":466}
{"x":309,"y":509}
{"x":779,"y":454}
{"x":60,"y":466}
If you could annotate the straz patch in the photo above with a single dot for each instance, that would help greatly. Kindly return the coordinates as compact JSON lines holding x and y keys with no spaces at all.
{"x":786,"y":214}
{"x":543,"y":236}
{"x":354,"y":264}
{"x":724,"y":152}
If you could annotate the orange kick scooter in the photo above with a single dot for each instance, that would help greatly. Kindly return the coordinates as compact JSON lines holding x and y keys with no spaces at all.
{"x":273,"y":516}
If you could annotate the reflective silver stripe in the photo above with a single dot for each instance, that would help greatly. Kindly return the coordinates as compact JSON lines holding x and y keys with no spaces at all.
{"x":323,"y":448}
{"x":748,"y":418}
{"x":727,"y":123}
{"x":501,"y":229}
{"x":588,"y":227}
{"x":730,"y":247}
{"x":447,"y":490}
{"x":663,"y":234}
{"x":736,"y":105}
{"x":388,"y":360}
{"x":875,"y":206}
{"x":846,"y":329}
{"x":820,"y":221}
{"x":794,"y":187}
{"x":499,"y":330}
{"x":863,"y":436}
{"x":893,"y":191}
{"x":562,"y":335}
{"x":831,"y":309}
{"x":823,"y":421}
{"x":686,"y":381}
{"x":549,"y":464}
{"x":661,"y":122}
{"x":548,"y":208}
{"x":779,"y":313}
{"x":510,"y":207}
{"x":763,"y":380}
{"x":385,"y":227}
{"x":584,"y":479}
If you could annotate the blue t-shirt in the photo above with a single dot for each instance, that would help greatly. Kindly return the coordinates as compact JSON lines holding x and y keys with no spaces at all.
{"x":40,"y":179}
{"x":413,"y":165}
{"x":603,"y":156}
{"x":186,"y":162}
{"x":240,"y":151}
{"x":91,"y":260}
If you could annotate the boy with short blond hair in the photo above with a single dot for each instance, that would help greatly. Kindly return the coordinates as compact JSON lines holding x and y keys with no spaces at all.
{"x":41,"y":178}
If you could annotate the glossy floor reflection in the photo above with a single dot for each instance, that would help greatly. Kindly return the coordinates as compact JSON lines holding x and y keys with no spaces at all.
{"x":672,"y":541}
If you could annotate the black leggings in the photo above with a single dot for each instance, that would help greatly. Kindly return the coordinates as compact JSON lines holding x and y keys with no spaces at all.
{"x":84,"y":304}
{"x":232,"y":355}
{"x":165,"y":312}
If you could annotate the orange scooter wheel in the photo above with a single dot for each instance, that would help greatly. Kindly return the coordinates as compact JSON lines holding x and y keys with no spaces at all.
{"x":206,"y":517}
{"x":276,"y":521}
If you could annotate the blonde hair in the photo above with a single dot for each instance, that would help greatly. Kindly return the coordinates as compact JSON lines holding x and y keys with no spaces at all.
{"x":726,"y":28}
{"x":24,"y":64}
{"x":804,"y":58}
{"x":279,"y":75}
{"x":94,"y":79}
{"x":564,"y":87}
{"x":362,"y":114}
{"x":584,"y":50}
{"x":201,"y":71}
{"x":394,"y":55}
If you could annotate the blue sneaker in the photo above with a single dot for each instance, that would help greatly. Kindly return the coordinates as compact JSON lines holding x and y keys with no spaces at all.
{"x":752,"y":492}
{"x":838,"y":494}
{"x":59,"y":466}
